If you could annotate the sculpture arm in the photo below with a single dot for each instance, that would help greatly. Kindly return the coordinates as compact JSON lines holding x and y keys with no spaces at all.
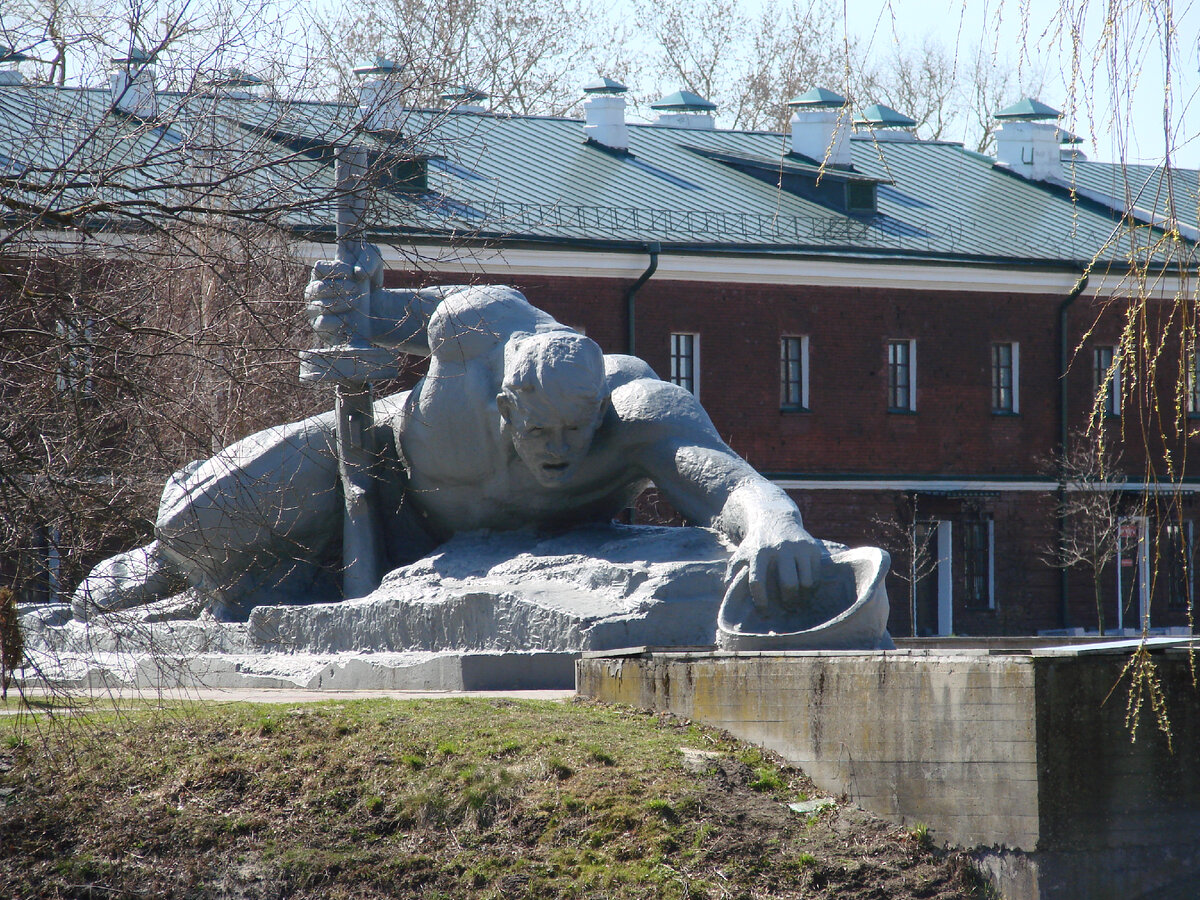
{"x":711,"y":485}
{"x":347,"y":303}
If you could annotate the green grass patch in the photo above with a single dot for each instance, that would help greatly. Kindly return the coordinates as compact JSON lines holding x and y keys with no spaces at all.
{"x":473,"y":798}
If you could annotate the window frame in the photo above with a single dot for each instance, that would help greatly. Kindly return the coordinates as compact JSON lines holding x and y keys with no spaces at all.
{"x":1180,"y":538}
{"x":1109,"y":371}
{"x":1193,"y":409}
{"x":691,"y":355}
{"x":1013,"y":368}
{"x":982,"y":558}
{"x":800,"y":343}
{"x":909,"y":366}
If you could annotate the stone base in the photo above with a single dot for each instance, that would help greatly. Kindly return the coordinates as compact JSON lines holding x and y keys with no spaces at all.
{"x":315,"y":672}
{"x":505,"y":611}
{"x":486,"y":612}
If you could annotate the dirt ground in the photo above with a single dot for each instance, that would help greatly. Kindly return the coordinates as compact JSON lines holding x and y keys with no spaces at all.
{"x":466,"y":797}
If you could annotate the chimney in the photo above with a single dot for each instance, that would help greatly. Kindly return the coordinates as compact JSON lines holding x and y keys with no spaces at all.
{"x":381,"y":96}
{"x":1068,"y":147}
{"x":885,"y":124}
{"x":1027,"y":141}
{"x":821,"y":127}
{"x":605,"y":114}
{"x":9,"y":57}
{"x":132,"y":85}
{"x":465,"y":99}
{"x":235,"y":83}
{"x":683,"y":109}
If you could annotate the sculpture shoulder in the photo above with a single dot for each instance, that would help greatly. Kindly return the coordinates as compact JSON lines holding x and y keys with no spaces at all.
{"x":472,"y":321}
{"x":651,"y":409}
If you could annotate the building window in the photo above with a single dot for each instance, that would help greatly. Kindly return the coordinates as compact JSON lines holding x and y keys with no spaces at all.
{"x":1006,"y":362}
{"x":685,"y":361}
{"x":1106,"y":366}
{"x":1194,"y":386}
{"x":902,"y":376}
{"x":977,"y":564}
{"x":793,"y":373}
{"x":860,"y":197}
{"x":1178,"y":547}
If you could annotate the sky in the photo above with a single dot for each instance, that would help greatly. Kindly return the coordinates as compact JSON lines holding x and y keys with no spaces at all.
{"x":1113,"y":96}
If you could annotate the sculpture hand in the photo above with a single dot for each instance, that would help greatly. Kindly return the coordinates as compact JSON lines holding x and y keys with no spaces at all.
{"x":781,"y":565}
{"x":335,"y":292}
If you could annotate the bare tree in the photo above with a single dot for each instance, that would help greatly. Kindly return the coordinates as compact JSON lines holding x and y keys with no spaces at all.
{"x":1089,"y":512}
{"x":529,"y":56}
{"x":951,"y":95}
{"x":908,"y":537}
{"x":150,"y":290}
{"x":749,"y":65}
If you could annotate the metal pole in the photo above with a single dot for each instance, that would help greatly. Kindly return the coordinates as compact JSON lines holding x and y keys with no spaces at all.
{"x":361,"y":560}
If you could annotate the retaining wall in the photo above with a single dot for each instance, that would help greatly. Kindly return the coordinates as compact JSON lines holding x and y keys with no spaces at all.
{"x":1024,"y":758}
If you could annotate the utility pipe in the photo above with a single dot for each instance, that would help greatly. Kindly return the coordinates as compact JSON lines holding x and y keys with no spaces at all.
{"x":631,"y":292}
{"x":1064,"y":581}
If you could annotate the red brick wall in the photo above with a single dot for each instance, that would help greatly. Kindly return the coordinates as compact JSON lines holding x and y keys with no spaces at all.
{"x":849,"y":431}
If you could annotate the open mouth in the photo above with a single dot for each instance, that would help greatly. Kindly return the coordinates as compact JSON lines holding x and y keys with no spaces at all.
{"x":556,"y":466}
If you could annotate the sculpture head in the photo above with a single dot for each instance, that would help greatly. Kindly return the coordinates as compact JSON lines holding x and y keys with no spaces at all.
{"x":553,"y":398}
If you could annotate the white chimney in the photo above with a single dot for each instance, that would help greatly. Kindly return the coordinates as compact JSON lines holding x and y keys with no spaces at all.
{"x":10,"y":57}
{"x":821,"y":127}
{"x":605,"y":114}
{"x":132,"y":85}
{"x":381,"y":96}
{"x":683,"y":109}
{"x":1027,"y":141}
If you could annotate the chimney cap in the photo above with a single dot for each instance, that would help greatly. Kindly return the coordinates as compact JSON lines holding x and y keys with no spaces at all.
{"x":684,"y":101}
{"x":381,"y":66}
{"x":136,"y":57}
{"x":463,"y":93}
{"x":1028,"y":110}
{"x":234,"y":78}
{"x":879,"y":116}
{"x":818,"y":98}
{"x":11,"y":54}
{"x":604,"y":85}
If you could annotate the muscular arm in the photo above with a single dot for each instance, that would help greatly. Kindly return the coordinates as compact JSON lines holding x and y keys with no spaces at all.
{"x":348,"y":302}
{"x":683,"y":455}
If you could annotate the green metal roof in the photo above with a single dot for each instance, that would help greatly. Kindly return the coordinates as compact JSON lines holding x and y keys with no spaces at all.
{"x":1030,"y":109}
{"x":503,"y":178}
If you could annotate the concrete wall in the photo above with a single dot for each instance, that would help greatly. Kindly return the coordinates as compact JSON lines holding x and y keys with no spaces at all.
{"x":944,"y":740}
{"x":1024,"y":758}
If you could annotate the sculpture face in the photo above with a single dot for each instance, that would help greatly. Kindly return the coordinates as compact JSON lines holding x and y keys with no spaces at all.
{"x":551,"y":441}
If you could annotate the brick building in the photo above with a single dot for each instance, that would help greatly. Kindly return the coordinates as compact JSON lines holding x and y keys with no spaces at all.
{"x":878,"y":323}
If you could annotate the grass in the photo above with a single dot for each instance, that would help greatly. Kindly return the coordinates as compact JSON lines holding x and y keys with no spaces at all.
{"x":448,"y":797}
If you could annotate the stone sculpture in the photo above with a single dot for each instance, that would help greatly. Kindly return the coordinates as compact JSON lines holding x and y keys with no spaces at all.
{"x":520,"y":422}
